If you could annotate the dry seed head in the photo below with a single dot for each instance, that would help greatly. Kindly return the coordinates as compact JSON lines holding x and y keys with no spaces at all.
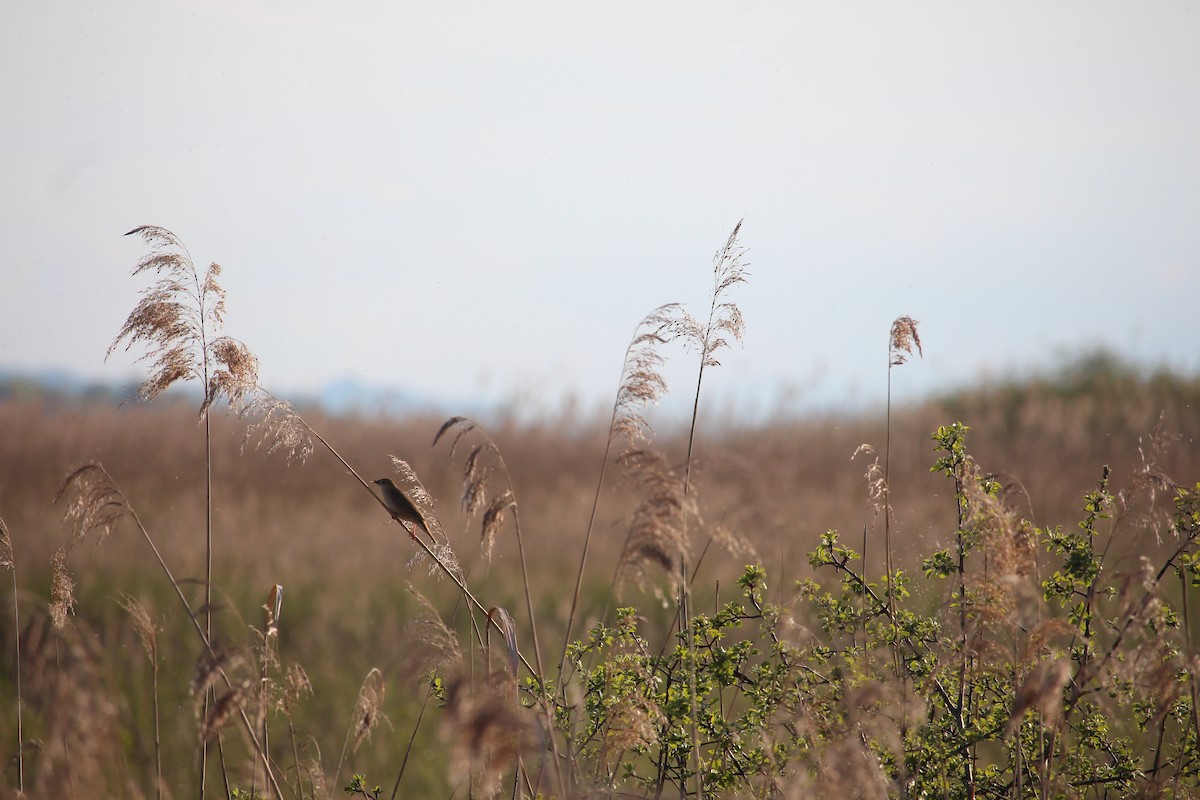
{"x":475,"y":477}
{"x":482,"y":462}
{"x":642,"y":384}
{"x":734,"y":542}
{"x":443,"y":553}
{"x":236,"y":375}
{"x":367,"y":708}
{"x":220,"y":712}
{"x":295,"y":686}
{"x":95,"y":504}
{"x":6,"y":549}
{"x":62,"y":588}
{"x":657,"y":532}
{"x":276,"y":426}
{"x":439,"y":643}
{"x":493,"y":518}
{"x":1042,"y":690}
{"x":903,"y":339}
{"x":464,"y":426}
{"x":213,"y":660}
{"x":725,"y":320}
{"x":1150,"y":450}
{"x":1008,"y":540}
{"x":876,"y":486}
{"x":147,"y":631}
{"x":1036,"y":644}
{"x":168,"y":317}
{"x":177,"y":318}
{"x":488,"y":729}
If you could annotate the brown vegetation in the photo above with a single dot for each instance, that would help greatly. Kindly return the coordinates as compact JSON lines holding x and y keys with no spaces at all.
{"x":347,"y":611}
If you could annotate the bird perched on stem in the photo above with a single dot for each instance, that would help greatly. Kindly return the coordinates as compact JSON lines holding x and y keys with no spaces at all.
{"x":402,"y":509}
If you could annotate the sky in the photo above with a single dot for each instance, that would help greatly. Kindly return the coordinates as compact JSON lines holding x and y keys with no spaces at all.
{"x":475,"y":203}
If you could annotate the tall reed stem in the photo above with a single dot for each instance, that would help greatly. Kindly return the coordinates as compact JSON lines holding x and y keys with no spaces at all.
{"x":8,"y":559}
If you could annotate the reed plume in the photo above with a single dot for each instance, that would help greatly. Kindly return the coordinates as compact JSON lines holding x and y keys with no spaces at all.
{"x":94,"y":506}
{"x":147,"y":632}
{"x":709,"y":338}
{"x":724,"y":323}
{"x":658,"y":532}
{"x":901,"y":340}
{"x":367,"y":713}
{"x":178,"y":319}
{"x":641,"y":385}
{"x":488,"y":729}
{"x":482,"y":462}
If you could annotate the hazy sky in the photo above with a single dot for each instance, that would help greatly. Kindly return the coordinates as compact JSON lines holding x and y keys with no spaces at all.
{"x":478,"y":200}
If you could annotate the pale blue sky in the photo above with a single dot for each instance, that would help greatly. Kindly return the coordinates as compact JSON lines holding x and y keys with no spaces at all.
{"x":480,"y":200}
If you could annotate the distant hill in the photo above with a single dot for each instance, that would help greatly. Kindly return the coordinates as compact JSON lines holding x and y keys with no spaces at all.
{"x":1101,"y":374}
{"x":341,"y":397}
{"x":59,"y":385}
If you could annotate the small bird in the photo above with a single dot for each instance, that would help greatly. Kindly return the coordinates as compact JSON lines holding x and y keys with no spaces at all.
{"x":401,"y":508}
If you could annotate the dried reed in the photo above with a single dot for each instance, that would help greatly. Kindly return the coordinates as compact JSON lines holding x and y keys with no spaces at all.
{"x":178,"y":319}
{"x":641,"y":384}
{"x":9,"y":562}
{"x":368,"y":711}
{"x":724,"y":319}
{"x":96,"y":504}
{"x":147,"y":631}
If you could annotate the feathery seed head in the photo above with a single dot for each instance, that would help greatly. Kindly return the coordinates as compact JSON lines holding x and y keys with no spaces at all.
{"x":6,"y":549}
{"x":276,"y":426}
{"x":642,"y":384}
{"x":368,"y":708}
{"x":903,"y":338}
{"x":657,"y":534}
{"x":178,"y":318}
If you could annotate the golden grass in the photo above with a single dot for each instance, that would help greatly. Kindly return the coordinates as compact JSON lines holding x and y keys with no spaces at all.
{"x":347,"y":610}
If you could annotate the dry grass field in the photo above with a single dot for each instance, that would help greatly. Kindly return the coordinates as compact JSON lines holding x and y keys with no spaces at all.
{"x":88,"y":696}
{"x":888,"y":604}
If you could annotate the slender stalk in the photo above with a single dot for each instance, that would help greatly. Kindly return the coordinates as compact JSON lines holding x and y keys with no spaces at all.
{"x":158,"y":781}
{"x":296,"y":758}
{"x":537,"y":649}
{"x":727,"y":271}
{"x":467,"y":425}
{"x":202,"y":331}
{"x":189,"y":613}
{"x":640,"y":384}
{"x":587,"y":540}
{"x":411,"y":739}
{"x":1187,"y":628}
{"x":208,"y":693}
{"x":685,"y":621}
{"x":9,"y":559}
{"x":902,"y":338}
{"x":887,"y":492}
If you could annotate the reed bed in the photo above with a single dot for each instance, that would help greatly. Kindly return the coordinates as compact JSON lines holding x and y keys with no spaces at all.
{"x":304,"y":644}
